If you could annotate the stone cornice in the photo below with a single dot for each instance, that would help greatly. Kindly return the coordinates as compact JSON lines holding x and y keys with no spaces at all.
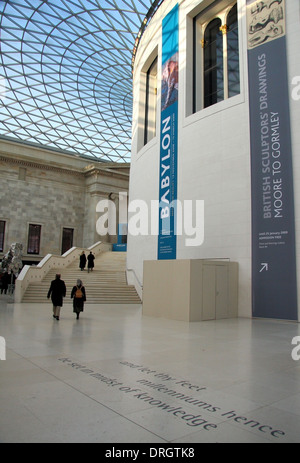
{"x":43,"y":159}
{"x":89,"y":171}
{"x":112,"y":171}
{"x":41,"y":166}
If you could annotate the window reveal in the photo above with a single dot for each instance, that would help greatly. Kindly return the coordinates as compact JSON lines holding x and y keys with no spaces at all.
{"x":216,"y":58}
{"x":34,"y":239}
{"x":150,"y":104}
{"x":67,"y":239}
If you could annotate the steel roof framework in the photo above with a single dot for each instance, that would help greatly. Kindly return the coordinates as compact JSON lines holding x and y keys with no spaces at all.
{"x":65,"y":74}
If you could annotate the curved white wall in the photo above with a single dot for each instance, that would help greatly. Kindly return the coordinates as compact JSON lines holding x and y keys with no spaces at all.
{"x":213,"y":151}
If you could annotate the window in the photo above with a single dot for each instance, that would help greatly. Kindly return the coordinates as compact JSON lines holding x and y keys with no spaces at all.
{"x":216,"y":56}
{"x":150,"y":104}
{"x":233,"y":53}
{"x":213,"y":63}
{"x":67,"y":239}
{"x":2,"y":233}
{"x":34,"y":239}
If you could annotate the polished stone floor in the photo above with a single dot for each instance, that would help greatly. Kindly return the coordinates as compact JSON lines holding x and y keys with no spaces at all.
{"x":115,"y":376}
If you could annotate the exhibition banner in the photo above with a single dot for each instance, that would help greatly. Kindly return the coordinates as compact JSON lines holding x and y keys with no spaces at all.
{"x":274,"y":287}
{"x":168,"y":138}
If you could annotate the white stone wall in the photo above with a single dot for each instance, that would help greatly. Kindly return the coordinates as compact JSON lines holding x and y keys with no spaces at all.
{"x":213,"y":153}
{"x":293,"y":52}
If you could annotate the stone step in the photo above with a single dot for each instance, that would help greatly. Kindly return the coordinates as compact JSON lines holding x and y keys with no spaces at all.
{"x":105,"y":284}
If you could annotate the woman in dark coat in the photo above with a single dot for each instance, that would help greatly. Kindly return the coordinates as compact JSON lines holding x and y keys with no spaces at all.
{"x":57,"y":292}
{"x":79,"y":298}
{"x":82,"y":261}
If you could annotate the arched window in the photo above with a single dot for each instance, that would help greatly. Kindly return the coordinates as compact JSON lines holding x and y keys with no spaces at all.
{"x":216,"y":56}
{"x":150,"y":104}
{"x":213,"y":63}
{"x":233,"y":53}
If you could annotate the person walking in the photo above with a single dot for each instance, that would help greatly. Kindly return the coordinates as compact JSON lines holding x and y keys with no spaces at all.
{"x":57,"y":292}
{"x":5,"y":281}
{"x":82,"y":261}
{"x":78,"y":295}
{"x":90,"y":259}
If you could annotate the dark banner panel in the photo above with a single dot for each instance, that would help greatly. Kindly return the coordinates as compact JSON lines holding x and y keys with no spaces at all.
{"x":169,"y":138}
{"x":274,"y":286}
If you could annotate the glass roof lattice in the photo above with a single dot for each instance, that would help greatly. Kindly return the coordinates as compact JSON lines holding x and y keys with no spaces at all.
{"x":65,"y":74}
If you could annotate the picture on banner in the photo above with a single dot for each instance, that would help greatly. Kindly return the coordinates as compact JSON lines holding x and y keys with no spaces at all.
{"x":265,"y":22}
{"x":169,"y":90}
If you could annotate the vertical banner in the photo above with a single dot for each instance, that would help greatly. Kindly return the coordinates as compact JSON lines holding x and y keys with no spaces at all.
{"x":274,"y":287}
{"x":168,"y":137}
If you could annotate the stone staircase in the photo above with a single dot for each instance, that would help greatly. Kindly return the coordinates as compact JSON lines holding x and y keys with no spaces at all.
{"x":106,"y":284}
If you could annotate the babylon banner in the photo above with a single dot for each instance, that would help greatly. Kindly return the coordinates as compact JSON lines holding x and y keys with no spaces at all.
{"x":274,"y":287}
{"x":169,"y":138}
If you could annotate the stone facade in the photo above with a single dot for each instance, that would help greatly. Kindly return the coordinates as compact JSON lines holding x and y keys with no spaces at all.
{"x":54,"y":190}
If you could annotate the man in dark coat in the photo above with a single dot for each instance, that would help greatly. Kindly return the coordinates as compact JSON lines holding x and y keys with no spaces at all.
{"x":57,"y":292}
{"x":90,"y":259}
